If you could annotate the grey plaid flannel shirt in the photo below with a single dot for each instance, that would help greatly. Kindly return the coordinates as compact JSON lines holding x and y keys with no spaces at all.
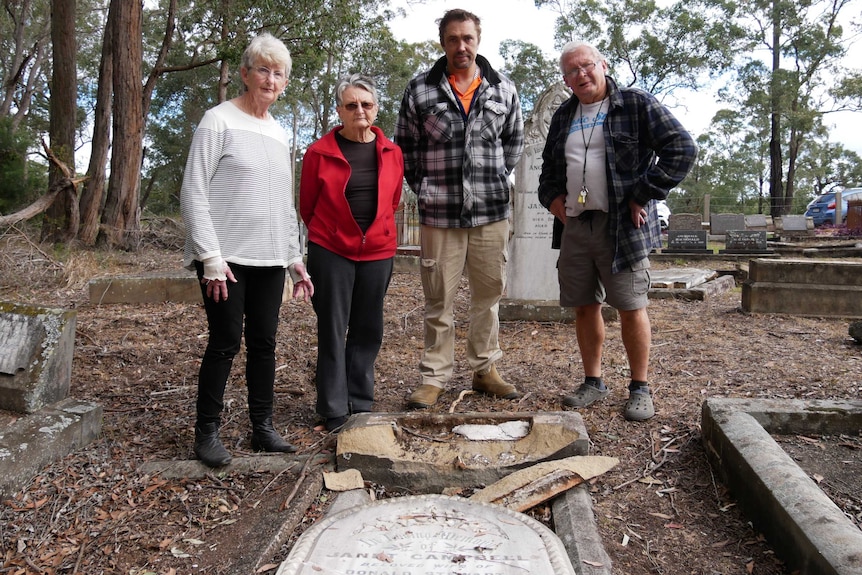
{"x":459,"y":167}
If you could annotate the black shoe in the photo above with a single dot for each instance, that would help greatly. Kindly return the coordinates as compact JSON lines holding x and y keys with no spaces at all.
{"x":208,"y":447}
{"x":264,"y":437}
{"x":335,"y":423}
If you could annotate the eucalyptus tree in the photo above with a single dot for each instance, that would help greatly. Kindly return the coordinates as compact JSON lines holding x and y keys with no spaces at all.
{"x":660,"y":48}
{"x":327,"y":39}
{"x":732,"y":165}
{"x":801,"y":45}
{"x":62,"y":219}
{"x":530,"y":69}
{"x":25,"y":50}
{"x":823,"y":166}
{"x":25,"y":59}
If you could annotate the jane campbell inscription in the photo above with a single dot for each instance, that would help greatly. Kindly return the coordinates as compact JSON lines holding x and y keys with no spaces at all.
{"x":428,"y":535}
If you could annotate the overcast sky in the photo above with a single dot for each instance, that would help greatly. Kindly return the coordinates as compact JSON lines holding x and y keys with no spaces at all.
{"x":521,"y":20}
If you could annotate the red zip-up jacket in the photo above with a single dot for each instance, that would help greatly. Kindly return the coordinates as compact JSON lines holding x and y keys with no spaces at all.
{"x":324,"y":208}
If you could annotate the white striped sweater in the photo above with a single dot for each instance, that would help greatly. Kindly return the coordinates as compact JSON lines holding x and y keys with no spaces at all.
{"x":237,"y":193}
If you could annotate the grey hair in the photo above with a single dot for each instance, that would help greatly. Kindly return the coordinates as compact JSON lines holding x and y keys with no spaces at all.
{"x":267,"y":48}
{"x":355,"y":81}
{"x":574,"y":45}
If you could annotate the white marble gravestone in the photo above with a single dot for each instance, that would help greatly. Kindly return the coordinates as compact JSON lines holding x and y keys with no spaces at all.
{"x":532,"y":267}
{"x":428,"y":535}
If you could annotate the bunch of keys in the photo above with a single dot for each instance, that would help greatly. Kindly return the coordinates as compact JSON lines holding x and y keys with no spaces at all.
{"x":582,"y":197}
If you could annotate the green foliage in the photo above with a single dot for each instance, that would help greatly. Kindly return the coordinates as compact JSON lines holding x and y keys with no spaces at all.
{"x":530,"y":70}
{"x":658,"y":48}
{"x":21,"y":180}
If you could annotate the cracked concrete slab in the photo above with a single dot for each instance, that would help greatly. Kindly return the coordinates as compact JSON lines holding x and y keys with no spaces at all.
{"x":420,"y":451}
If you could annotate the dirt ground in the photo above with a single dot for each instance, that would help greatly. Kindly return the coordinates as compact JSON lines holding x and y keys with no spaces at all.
{"x":661,"y":510}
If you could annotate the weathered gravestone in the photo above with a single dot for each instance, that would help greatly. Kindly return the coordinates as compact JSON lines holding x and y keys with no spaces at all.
{"x":719,"y":224}
{"x":36,"y":348}
{"x":796,"y":226}
{"x":685,"y":234}
{"x":428,"y":535}
{"x":532,"y":267}
{"x":745,"y":242}
{"x":757,"y":222}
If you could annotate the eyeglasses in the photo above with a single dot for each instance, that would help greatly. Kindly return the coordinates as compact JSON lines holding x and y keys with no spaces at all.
{"x":353,"y":106}
{"x":266,"y":73}
{"x":586,"y":69}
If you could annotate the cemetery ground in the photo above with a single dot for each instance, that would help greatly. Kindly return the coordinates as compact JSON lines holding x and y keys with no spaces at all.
{"x":661,"y":510}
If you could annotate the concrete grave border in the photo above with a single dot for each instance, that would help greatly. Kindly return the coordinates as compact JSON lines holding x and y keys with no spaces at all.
{"x":38,"y":439}
{"x":806,"y":528}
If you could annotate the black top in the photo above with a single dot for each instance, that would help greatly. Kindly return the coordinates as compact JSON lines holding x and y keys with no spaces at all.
{"x":361,"y":192}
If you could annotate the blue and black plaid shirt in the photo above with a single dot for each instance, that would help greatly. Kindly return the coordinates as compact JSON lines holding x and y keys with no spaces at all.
{"x":648,"y":152}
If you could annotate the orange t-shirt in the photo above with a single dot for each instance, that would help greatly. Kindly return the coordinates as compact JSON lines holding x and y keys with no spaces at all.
{"x":466,"y":97}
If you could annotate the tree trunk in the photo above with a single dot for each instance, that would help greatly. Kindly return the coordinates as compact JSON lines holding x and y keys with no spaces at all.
{"x":121,"y":218}
{"x":776,"y":188}
{"x":61,"y":220}
{"x":93,"y":195}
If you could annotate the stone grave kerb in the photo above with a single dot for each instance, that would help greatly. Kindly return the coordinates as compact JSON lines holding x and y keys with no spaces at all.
{"x":36,"y":349}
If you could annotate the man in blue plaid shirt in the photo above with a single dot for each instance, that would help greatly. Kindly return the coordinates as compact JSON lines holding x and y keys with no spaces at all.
{"x":461,"y":131}
{"x":610,"y":153}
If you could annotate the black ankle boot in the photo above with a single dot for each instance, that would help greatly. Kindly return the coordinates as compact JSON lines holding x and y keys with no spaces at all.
{"x":208,"y":447}
{"x":264,"y":437}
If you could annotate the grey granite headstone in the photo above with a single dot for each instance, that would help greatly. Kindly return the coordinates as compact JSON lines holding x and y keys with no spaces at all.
{"x":745,"y":242}
{"x":756,"y":222}
{"x":720,"y":223}
{"x":796,"y":226}
{"x":428,"y":535}
{"x":36,"y":348}
{"x":532,"y":267}
{"x":684,"y":221}
{"x":686,"y":241}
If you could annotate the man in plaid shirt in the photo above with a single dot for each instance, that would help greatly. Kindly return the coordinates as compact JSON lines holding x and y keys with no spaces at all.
{"x":461,"y":132}
{"x":609,"y":154}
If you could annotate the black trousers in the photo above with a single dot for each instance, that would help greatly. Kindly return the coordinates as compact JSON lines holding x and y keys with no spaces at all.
{"x":252,"y":306}
{"x":348,"y":301}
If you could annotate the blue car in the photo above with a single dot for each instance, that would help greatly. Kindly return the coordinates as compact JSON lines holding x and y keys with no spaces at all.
{"x":822,"y":209}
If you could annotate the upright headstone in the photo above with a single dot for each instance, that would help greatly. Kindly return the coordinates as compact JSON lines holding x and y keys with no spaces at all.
{"x":796,"y":226}
{"x":720,"y":223}
{"x":685,"y":234}
{"x":757,"y":223}
{"x":36,"y":348}
{"x":428,"y":535}
{"x":745,"y":242}
{"x":532,"y":267}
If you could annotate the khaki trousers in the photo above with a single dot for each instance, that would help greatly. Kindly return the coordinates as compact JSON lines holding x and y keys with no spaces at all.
{"x":446,"y":253}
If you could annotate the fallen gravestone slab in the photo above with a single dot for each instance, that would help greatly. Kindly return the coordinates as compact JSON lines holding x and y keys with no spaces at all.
{"x":528,"y":487}
{"x":423,"y":450}
{"x":428,"y":535}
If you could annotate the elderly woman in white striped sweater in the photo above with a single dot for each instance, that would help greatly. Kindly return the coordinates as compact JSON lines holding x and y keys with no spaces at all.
{"x":241,"y":236}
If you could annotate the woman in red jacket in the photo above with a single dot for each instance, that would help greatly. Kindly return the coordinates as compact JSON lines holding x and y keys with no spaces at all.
{"x":349,"y":191}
